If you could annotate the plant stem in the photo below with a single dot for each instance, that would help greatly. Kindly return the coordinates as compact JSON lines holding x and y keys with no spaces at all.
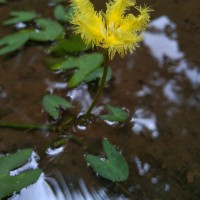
{"x":25,"y":126}
{"x":101,"y":86}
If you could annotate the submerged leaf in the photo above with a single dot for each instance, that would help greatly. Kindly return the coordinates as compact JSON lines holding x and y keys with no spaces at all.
{"x":85,"y":65}
{"x":10,"y":184}
{"x":117,"y":114}
{"x":114,"y":168}
{"x":12,"y":42}
{"x":50,"y":30}
{"x":51,"y":103}
{"x":20,"y":16}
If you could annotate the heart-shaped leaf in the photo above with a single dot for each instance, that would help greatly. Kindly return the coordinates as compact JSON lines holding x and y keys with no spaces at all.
{"x":114,"y":168}
{"x":52,"y":103}
{"x":50,"y":30}
{"x":12,"y":42}
{"x":117,"y":114}
{"x":20,"y":16}
{"x":10,"y":184}
{"x":85,"y":65}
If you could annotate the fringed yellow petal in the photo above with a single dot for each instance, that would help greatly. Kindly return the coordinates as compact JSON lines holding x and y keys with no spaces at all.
{"x":138,"y":23}
{"x":121,"y":33}
{"x":87,"y":22}
{"x":122,"y":42}
{"x":115,"y":12}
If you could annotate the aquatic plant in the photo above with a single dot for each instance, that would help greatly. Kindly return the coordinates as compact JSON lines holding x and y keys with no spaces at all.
{"x":116,"y":31}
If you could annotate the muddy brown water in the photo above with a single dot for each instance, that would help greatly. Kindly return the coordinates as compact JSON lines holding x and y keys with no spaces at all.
{"x":159,"y":85}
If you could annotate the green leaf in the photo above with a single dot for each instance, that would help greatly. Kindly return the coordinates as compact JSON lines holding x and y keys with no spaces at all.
{"x":71,"y":45}
{"x":51,"y":103}
{"x":117,"y":114}
{"x":60,"y":13}
{"x":85,"y":65}
{"x":114,"y":168}
{"x":97,"y":74}
{"x":10,"y":184}
{"x":50,"y":30}
{"x":20,"y":16}
{"x":3,"y":1}
{"x":12,"y":42}
{"x":12,"y":161}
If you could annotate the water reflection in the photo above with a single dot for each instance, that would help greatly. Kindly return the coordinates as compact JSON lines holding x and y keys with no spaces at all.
{"x":82,"y":96}
{"x":144,"y":119}
{"x":144,"y":91}
{"x":51,"y":86}
{"x":47,"y":188}
{"x":54,"y":151}
{"x":31,"y":164}
{"x":142,"y":168}
{"x":20,"y":25}
{"x":162,"y":41}
{"x":171,"y":91}
{"x":50,"y":189}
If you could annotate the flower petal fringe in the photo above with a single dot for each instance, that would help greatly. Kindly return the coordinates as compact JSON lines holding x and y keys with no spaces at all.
{"x":113,"y":30}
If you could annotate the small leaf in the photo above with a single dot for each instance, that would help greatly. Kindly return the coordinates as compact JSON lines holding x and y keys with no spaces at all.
{"x":13,"y":42}
{"x":50,"y":30}
{"x":114,"y":168}
{"x":117,"y":114}
{"x":10,"y":184}
{"x":20,"y":16}
{"x":85,"y":65}
{"x":71,"y":45}
{"x":51,"y":103}
{"x":60,"y":13}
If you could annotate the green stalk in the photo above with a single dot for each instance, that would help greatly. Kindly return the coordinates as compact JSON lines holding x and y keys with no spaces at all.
{"x":101,"y":86}
{"x":25,"y":126}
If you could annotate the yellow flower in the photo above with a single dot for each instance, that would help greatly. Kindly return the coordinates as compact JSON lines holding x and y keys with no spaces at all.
{"x":115,"y":30}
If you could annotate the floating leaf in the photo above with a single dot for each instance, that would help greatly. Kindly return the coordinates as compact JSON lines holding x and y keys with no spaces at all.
{"x":10,"y":184}
{"x":60,"y":13}
{"x":117,"y":114}
{"x":71,"y":45}
{"x":50,"y":30}
{"x":20,"y":16}
{"x":114,"y":168}
{"x":85,"y":65}
{"x":97,"y":74}
{"x":12,"y":42}
{"x":52,"y":103}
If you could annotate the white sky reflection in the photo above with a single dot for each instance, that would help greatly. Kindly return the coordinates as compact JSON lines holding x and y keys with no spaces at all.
{"x":162,"y":41}
{"x":144,"y":119}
